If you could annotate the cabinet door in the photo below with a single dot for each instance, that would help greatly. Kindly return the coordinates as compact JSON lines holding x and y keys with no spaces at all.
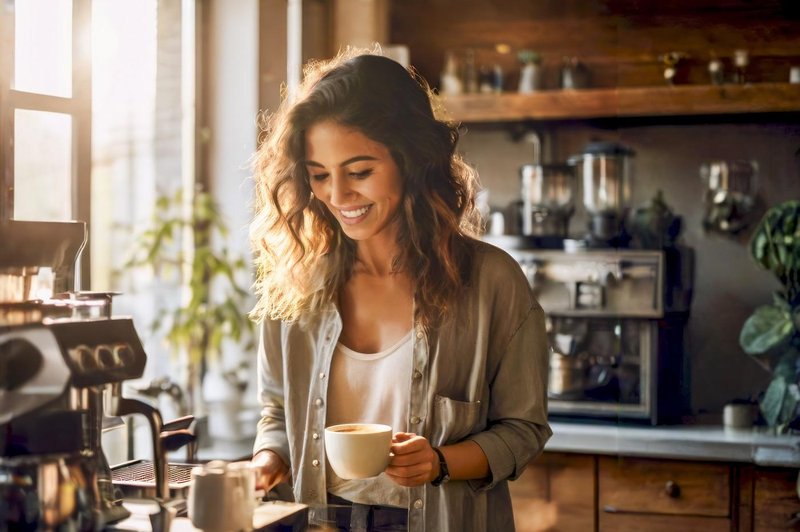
{"x":556,"y":492}
{"x":775,"y":502}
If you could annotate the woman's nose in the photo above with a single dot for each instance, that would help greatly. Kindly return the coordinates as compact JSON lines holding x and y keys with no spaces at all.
{"x":340,"y":188}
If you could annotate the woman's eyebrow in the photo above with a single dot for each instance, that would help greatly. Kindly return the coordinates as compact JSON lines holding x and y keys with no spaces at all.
{"x":351,"y":160}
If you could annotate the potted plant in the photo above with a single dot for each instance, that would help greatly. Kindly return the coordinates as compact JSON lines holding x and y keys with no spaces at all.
{"x":772,"y":333}
{"x":215,"y":306}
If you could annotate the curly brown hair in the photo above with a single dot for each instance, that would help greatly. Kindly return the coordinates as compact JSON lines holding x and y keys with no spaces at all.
{"x":302,"y":256}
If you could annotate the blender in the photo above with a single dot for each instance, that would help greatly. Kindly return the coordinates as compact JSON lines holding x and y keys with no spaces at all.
{"x":604,"y":169}
{"x":547,"y":199}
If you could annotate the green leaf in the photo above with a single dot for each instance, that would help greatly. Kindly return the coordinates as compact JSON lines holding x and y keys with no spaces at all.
{"x":772,"y":403}
{"x":768,"y":327}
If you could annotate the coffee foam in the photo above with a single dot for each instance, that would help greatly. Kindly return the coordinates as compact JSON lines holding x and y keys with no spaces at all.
{"x":356,"y":429}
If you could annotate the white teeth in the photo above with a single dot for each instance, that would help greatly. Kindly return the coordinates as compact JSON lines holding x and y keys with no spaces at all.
{"x":356,"y":213}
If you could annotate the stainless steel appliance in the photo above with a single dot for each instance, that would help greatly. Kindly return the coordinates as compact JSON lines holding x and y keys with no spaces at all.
{"x":731,"y":195}
{"x":548,"y":202}
{"x":63,"y":358}
{"x":615,"y":324}
{"x":605,"y":171}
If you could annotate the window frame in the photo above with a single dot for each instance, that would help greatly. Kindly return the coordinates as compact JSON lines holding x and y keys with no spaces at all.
{"x":78,"y":106}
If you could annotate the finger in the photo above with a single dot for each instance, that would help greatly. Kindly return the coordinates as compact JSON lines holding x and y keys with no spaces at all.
{"x":267,"y":481}
{"x":410,"y":471}
{"x":408,"y":459}
{"x":415,"y":444}
{"x":409,"y":482}
{"x":402,"y":436}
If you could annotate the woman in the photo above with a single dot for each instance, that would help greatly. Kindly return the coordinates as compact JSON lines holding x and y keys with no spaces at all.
{"x":379,"y":305}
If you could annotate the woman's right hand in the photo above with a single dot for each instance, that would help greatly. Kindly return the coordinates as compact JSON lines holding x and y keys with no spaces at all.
{"x":272,"y":470}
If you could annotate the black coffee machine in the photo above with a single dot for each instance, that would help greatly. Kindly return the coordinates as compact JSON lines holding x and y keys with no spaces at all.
{"x":63,"y":358}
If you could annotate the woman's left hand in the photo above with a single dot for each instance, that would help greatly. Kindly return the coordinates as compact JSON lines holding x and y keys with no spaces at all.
{"x":414,"y":462}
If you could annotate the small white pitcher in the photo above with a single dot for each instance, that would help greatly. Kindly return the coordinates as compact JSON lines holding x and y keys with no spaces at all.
{"x":222,"y":496}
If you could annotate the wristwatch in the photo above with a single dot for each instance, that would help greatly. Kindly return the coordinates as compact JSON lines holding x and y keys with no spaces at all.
{"x":444,"y":473}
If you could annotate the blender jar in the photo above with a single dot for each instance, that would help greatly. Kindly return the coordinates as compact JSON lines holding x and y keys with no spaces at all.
{"x":547,"y":192}
{"x":604,"y":169}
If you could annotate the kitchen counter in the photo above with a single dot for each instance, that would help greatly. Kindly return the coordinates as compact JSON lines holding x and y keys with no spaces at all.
{"x":684,"y":442}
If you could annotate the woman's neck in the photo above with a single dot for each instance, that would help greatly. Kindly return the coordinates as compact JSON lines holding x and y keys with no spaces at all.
{"x":376,"y":259}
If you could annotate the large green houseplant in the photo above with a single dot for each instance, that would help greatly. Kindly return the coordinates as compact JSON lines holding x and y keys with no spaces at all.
{"x":185,"y":242}
{"x":772,"y":333}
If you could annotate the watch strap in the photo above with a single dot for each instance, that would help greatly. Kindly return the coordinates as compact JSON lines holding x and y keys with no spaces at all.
{"x":444,"y":472}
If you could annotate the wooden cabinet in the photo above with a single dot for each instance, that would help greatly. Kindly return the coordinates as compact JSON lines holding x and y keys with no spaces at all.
{"x":776,"y":505}
{"x":584,"y":492}
{"x":557,"y":493}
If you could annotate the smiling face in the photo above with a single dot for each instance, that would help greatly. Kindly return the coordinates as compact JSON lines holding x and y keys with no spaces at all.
{"x":356,"y":178}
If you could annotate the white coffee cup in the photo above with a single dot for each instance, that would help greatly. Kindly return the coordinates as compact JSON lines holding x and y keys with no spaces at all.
{"x":222,"y":496}
{"x":358,"y":450}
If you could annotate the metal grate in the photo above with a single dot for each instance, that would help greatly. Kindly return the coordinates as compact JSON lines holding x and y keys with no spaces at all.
{"x":142,"y":473}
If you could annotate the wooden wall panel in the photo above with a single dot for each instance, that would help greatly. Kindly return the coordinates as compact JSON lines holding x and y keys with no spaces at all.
{"x":619,"y":41}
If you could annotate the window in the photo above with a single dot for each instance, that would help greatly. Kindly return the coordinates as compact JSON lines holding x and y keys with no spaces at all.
{"x":45,"y":110}
{"x":97,"y":119}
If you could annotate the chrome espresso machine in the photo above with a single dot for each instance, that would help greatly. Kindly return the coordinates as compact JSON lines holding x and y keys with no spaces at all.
{"x":63,"y":359}
{"x":617,"y":298}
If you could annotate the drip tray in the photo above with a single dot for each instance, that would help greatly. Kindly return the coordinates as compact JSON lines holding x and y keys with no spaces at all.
{"x":137,"y":478}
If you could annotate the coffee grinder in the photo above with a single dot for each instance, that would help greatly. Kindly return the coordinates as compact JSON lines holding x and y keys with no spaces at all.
{"x":604,"y":169}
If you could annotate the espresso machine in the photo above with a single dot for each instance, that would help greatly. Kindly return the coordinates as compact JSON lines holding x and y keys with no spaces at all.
{"x":617,"y":298}
{"x":63,"y":359}
{"x":615,"y":324}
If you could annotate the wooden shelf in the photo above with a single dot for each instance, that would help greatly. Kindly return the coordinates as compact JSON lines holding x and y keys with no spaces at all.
{"x":679,"y":100}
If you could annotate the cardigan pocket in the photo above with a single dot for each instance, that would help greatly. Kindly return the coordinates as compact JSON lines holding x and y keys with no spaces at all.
{"x":453,"y":420}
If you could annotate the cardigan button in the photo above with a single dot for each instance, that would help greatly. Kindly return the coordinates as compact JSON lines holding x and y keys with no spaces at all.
{"x":318,"y":401}
{"x":315,"y":463}
{"x":415,"y":420}
{"x":418,"y":504}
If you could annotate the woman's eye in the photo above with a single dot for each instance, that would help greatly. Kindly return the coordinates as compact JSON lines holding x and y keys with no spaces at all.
{"x":318,"y":177}
{"x":361,"y":175}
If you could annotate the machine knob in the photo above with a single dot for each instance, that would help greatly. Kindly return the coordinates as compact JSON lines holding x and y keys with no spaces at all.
{"x":124,"y":354}
{"x":83,"y":357}
{"x":20,"y":361}
{"x":105,"y":357}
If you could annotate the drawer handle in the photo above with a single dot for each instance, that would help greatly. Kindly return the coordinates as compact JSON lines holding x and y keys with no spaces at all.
{"x":672,"y":489}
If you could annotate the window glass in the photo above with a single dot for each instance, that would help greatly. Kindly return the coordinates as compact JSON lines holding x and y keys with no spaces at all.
{"x":125,"y":144}
{"x":43,"y":47}
{"x":42,"y":166}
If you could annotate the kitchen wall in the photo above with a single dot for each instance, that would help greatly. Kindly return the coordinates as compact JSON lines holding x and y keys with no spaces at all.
{"x":621,"y":42}
{"x":728,"y":285}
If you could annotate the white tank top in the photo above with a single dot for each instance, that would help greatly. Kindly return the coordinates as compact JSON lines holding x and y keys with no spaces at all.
{"x":370,"y":388}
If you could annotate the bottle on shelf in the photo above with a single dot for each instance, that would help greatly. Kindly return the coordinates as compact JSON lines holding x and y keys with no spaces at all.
{"x":715,"y":72}
{"x":450,"y":82}
{"x":470,"y":73}
{"x":740,"y":61}
{"x":530,"y":75}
